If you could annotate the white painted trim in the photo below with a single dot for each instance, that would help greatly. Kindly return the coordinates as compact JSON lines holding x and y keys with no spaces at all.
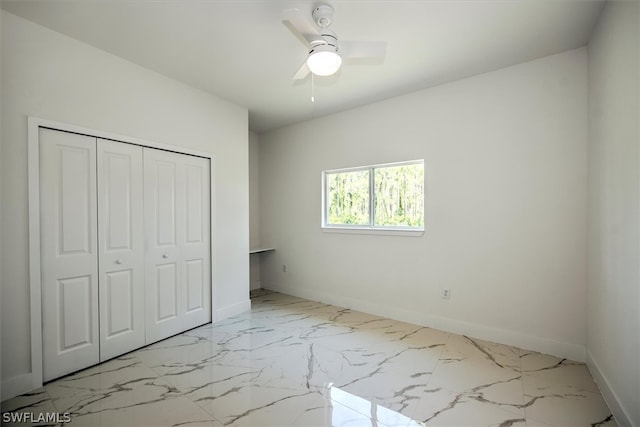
{"x":374,"y":230}
{"x":35,"y":285}
{"x":233,"y":309}
{"x":51,"y":124}
{"x":34,"y":378}
{"x":16,"y":386}
{"x":623,"y":419}
{"x":212,"y":222}
{"x":503,"y":336}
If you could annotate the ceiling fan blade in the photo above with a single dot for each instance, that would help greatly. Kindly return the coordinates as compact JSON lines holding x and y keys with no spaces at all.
{"x":302,"y":73}
{"x":300,"y":25}
{"x":363,"y":49}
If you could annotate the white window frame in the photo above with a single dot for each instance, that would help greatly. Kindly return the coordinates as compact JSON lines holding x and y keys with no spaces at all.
{"x":370,"y":228}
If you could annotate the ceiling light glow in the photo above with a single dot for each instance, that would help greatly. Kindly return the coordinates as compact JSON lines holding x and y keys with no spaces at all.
{"x":324,"y":60}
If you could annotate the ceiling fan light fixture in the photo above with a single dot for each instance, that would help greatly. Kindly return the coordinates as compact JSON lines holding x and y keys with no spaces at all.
{"x":324,"y":60}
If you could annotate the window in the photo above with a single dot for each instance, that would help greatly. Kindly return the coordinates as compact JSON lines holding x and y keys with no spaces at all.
{"x":380,"y":197}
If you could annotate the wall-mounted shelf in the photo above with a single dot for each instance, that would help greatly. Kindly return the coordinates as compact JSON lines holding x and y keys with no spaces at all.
{"x":260,"y":250}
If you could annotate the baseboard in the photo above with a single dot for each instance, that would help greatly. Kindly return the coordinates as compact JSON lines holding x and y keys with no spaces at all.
{"x":233,"y":309}
{"x":16,"y":386}
{"x":621,"y":415}
{"x":503,"y":336}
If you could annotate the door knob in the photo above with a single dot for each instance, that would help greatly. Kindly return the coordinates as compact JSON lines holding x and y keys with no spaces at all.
{"x":118,"y":261}
{"x":165,"y":256}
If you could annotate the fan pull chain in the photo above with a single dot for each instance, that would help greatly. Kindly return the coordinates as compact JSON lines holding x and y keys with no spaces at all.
{"x":313,"y":98}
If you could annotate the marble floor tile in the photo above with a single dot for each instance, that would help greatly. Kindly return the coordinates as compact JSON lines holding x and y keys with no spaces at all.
{"x":470,"y":412}
{"x":31,"y":409}
{"x":178,"y":351}
{"x":560,"y":393}
{"x":255,"y":404}
{"x":463,"y":348}
{"x":477,"y":376}
{"x":295,"y":362}
{"x":178,"y":411}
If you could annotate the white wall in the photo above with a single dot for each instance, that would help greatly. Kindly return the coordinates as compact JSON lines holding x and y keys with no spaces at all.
{"x":505,"y":165}
{"x":254,"y":208}
{"x":613,"y":296}
{"x":48,"y":75}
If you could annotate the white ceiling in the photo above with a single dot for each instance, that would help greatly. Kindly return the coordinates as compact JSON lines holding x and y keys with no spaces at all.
{"x":241,"y":51}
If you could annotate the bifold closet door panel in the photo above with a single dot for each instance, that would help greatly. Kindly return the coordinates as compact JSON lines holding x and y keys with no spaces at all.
{"x":196,"y":258}
{"x":121,"y":248}
{"x":69,"y":252}
{"x":164,"y":224}
{"x":178,"y":260}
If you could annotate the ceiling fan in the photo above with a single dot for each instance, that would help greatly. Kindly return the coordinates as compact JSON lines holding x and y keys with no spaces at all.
{"x":325,"y":52}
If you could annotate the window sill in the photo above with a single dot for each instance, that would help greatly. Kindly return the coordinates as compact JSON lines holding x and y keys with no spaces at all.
{"x":376,"y":231}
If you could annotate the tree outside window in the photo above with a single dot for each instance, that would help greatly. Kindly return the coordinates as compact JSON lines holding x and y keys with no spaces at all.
{"x":381,"y":196}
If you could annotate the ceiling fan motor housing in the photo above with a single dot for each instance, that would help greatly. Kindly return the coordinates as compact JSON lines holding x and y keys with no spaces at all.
{"x":329,"y":37}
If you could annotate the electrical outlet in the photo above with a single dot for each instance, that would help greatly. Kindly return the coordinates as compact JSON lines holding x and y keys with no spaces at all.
{"x":284,"y":268}
{"x":445,"y":293}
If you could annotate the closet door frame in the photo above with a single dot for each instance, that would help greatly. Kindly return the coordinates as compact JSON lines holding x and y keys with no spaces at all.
{"x":34,"y":124}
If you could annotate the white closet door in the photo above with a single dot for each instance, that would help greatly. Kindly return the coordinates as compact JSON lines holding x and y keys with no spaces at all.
{"x":178,"y":261}
{"x":164,"y":221}
{"x":69,"y":252}
{"x":121,"y":248}
{"x":196,"y":258}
